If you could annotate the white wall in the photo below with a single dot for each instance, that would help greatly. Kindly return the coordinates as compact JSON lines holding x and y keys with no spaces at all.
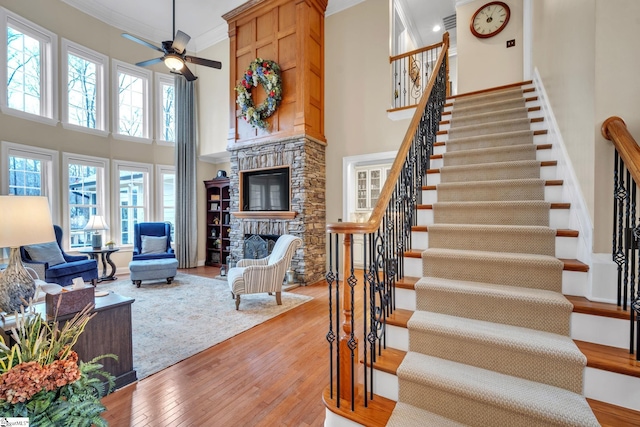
{"x":485,"y":63}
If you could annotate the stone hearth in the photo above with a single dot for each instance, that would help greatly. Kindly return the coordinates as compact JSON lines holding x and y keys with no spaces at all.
{"x":306,"y":158}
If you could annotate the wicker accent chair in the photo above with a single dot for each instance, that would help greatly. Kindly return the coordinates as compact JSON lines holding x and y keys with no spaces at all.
{"x":253,"y":276}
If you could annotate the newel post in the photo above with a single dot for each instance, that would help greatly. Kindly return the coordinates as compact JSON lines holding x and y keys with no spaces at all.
{"x":348,"y":341}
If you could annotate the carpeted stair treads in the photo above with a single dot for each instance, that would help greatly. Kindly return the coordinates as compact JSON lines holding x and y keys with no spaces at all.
{"x":487,"y":117}
{"x":520,"y":212}
{"x":487,"y":301}
{"x":485,"y":98}
{"x":490,"y":155}
{"x":519,"y":169}
{"x":502,"y":190}
{"x":460,"y":110}
{"x":491,"y":140}
{"x":494,"y":238}
{"x":479,"y":397}
{"x":526,"y":270}
{"x":512,"y":350}
{"x":490,"y":128}
{"x":406,"y":415}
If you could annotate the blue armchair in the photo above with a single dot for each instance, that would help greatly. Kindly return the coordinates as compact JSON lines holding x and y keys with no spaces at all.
{"x":58,"y":267}
{"x":152,"y":240}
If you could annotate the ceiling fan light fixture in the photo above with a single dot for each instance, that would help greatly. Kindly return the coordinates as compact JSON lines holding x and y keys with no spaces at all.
{"x":174,"y":62}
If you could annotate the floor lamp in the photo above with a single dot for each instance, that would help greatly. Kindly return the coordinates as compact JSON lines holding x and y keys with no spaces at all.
{"x":26,"y":220}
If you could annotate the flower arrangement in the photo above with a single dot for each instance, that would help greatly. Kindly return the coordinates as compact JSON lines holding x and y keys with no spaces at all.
{"x":267,"y":74}
{"x":41,"y":378}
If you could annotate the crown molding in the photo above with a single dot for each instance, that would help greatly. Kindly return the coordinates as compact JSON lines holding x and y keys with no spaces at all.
{"x":401,"y":7}
{"x":336,"y":6}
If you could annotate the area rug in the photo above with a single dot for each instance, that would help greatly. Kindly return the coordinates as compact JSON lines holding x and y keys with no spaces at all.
{"x":172,"y":322}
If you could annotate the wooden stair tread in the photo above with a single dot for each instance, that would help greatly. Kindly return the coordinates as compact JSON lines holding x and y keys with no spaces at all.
{"x":553,"y":206}
{"x":542,"y":163}
{"x":609,"y":415}
{"x":584,"y":306}
{"x":574,"y":265}
{"x":559,"y":232}
{"x":400,"y":317}
{"x":377,"y":413}
{"x":612,"y":359}
{"x":407,"y":282}
{"x":389,"y":360}
{"x":547,"y":183}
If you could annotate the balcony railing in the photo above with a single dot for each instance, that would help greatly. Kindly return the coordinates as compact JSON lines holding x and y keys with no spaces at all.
{"x":386,"y":237}
{"x":410,"y":74}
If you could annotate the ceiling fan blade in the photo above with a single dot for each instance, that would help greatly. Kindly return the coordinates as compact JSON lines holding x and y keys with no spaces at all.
{"x":142,"y":42}
{"x":180,"y":42}
{"x":202,"y":61}
{"x":149,"y":62}
{"x":186,"y":72}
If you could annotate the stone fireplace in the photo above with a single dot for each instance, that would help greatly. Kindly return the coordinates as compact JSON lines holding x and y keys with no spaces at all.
{"x":306,"y":219}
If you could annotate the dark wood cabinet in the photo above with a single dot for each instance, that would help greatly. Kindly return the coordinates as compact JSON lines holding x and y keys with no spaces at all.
{"x":109,"y":332}
{"x":218,"y":218}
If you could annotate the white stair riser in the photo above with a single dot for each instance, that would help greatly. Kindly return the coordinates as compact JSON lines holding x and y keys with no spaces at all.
{"x":558,"y":218}
{"x":613,"y":388}
{"x":600,"y":330}
{"x":566,"y":247}
{"x":406,"y":298}
{"x":546,"y":172}
{"x":552,"y":194}
{"x":541,"y":155}
{"x":573,"y":282}
{"x":385,"y":385}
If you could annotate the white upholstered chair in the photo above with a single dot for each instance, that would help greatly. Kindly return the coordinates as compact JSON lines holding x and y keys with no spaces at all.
{"x":253,"y":276}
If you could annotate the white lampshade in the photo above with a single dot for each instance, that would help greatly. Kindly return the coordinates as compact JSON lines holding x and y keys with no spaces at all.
{"x":96,"y":223}
{"x":25,"y":220}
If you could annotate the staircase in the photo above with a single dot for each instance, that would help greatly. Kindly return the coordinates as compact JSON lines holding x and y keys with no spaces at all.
{"x":483,"y":336}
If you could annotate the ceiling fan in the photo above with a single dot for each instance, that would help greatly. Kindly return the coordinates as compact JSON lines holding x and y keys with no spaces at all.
{"x":174,"y":52}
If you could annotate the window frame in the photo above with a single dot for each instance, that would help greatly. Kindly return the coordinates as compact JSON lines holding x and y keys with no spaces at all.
{"x":103,"y":204}
{"x":51,"y":173}
{"x":162,"y":79}
{"x":147,"y":76}
{"x":48,"y":68}
{"x":162,"y":170}
{"x":102,"y":84}
{"x":119,"y":165}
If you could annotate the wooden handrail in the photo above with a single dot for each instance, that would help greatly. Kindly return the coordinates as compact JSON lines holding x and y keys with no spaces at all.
{"x":413,"y":52}
{"x":379,"y":210}
{"x":615,"y":130}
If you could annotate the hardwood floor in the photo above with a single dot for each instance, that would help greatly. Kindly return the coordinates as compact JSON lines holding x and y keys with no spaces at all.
{"x":271,"y":375}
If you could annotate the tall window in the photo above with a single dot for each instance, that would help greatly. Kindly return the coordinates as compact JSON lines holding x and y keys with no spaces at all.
{"x":133,"y":198}
{"x":86,"y":77}
{"x":30,"y":171}
{"x":132,"y":107}
{"x":29,"y":64}
{"x":166,"y":199}
{"x":165,"y":108}
{"x":85,"y":195}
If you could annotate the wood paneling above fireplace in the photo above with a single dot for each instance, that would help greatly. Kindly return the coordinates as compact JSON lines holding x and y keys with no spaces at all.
{"x":291,"y":33}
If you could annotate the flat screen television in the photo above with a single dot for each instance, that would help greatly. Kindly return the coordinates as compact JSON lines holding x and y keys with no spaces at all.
{"x":266,"y":190}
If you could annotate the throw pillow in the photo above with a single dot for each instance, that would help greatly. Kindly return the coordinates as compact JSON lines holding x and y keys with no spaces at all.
{"x":46,"y":252}
{"x":154,"y":244}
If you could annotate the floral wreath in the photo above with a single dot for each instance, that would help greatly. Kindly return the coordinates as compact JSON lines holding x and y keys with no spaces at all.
{"x":267,"y":74}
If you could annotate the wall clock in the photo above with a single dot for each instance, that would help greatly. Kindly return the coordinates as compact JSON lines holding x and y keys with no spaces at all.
{"x":490,"y":19}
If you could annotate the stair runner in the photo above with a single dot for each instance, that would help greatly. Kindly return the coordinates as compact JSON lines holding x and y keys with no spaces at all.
{"x":489,"y":341}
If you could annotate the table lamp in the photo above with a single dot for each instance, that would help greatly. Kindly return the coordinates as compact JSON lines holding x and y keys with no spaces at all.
{"x":26,"y":220}
{"x":96,"y":224}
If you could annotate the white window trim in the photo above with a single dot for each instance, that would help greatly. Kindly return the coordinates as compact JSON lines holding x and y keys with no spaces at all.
{"x":49,"y":62}
{"x":147,"y":75}
{"x":52,"y":180}
{"x":130,"y":166}
{"x":103,"y":195}
{"x":160,"y":80}
{"x":102,"y":97}
{"x":159,"y":193}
